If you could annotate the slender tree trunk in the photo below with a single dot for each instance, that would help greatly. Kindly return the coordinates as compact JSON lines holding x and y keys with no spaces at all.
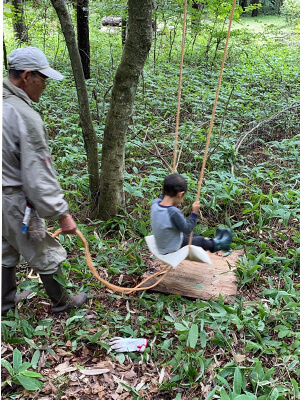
{"x":135,"y":52}
{"x":5,"y":55}
{"x":83,"y":35}
{"x":21,"y":33}
{"x":255,"y":11}
{"x":89,"y":135}
{"x":243,"y":4}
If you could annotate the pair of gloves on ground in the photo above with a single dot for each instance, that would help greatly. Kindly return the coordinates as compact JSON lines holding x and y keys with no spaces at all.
{"x":37,"y":229}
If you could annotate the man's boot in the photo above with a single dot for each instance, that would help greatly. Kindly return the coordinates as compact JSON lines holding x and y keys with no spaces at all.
{"x":223,"y":239}
{"x":9,"y":290}
{"x":59,"y":296}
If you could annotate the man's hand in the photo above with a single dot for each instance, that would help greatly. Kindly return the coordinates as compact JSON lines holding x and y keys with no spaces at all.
{"x":196,"y":207}
{"x":67,"y":224}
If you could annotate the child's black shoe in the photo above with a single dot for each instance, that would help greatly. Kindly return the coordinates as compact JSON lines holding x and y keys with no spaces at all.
{"x":219,"y":233}
{"x":223,"y":239}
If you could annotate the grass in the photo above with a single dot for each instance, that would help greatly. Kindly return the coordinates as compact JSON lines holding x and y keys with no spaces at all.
{"x":260,"y":23}
{"x":197,"y":349}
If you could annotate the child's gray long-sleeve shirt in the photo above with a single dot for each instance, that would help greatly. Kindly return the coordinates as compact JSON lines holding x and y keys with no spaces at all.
{"x":168,"y":226}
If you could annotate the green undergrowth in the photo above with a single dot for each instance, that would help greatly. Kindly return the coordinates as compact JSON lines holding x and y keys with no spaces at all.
{"x":249,"y":348}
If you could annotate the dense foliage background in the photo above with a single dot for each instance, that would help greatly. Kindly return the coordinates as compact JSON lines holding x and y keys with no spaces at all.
{"x":249,"y":349}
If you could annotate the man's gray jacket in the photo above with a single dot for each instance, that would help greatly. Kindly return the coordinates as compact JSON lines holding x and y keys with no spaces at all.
{"x":26,"y":159}
{"x":27,"y":175}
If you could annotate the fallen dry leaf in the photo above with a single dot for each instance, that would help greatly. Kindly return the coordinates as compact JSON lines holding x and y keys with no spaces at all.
{"x":238,"y":358}
{"x":95,"y":371}
{"x":130,"y":375}
{"x":140,"y":385}
{"x":161,"y":375}
{"x":62,"y":366}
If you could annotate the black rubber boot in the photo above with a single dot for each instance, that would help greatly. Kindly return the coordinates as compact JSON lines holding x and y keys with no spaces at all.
{"x":223,"y":239}
{"x":9,"y":290}
{"x":219,"y":233}
{"x":59,"y":296}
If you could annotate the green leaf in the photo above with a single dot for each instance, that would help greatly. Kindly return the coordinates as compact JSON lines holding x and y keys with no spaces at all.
{"x":193,"y":336}
{"x":32,"y":374}
{"x":17,"y":360}
{"x":74,"y":318}
{"x":210,"y":395}
{"x":27,"y":328}
{"x":121,"y":358}
{"x":24,"y":367}
{"x":7,"y":365}
{"x":97,"y":335}
{"x":179,"y":327}
{"x":237,"y":381}
{"x":35,"y":359}
{"x":203,"y":337}
{"x":224,"y":395}
{"x":274,"y":394}
{"x":295,"y":388}
{"x":5,"y":332}
{"x":29,"y":383}
{"x":31,"y":343}
{"x":223,"y":381}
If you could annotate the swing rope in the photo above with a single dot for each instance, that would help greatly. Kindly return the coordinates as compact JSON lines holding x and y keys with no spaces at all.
{"x":215,"y":103}
{"x":167,"y":269}
{"x":179,"y":87}
{"x":214,"y":111}
{"x":120,"y":289}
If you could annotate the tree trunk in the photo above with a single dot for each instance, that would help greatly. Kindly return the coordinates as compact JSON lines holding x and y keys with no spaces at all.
{"x":5,"y":55}
{"x":255,"y":10}
{"x":89,"y":135}
{"x":243,"y":4}
{"x":135,"y":52}
{"x":83,"y":35}
{"x":21,"y":33}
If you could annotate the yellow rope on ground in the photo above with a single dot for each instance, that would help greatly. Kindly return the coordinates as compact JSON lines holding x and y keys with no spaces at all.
{"x":166,"y":270}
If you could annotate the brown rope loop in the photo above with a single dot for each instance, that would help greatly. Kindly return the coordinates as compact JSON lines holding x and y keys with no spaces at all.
{"x":166,"y":270}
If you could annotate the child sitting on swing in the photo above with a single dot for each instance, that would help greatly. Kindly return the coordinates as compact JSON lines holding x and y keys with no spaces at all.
{"x":172,"y":230}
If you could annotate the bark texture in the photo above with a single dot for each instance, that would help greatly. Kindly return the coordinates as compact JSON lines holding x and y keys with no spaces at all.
{"x":5,"y":63}
{"x":135,"y":52}
{"x":83,"y":38}
{"x":89,"y":135}
{"x":20,"y":29}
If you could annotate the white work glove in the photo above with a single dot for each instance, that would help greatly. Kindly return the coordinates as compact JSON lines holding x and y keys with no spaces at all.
{"x":121,"y":345}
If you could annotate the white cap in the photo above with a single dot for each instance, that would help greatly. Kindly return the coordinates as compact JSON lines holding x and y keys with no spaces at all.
{"x":33,"y":59}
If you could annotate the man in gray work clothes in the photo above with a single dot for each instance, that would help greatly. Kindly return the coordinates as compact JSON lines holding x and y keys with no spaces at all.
{"x":29,"y":182}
